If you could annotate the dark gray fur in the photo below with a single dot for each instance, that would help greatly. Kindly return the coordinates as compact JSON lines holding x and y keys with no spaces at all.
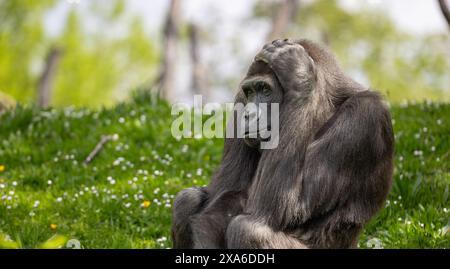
{"x":329,"y":175}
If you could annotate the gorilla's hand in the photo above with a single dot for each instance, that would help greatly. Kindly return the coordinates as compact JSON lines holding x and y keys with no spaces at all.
{"x":290,"y":62}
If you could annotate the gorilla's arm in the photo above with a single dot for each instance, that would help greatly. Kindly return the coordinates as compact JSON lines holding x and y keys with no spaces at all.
{"x":344,"y":181}
{"x":201,"y":215}
{"x":227,"y":194}
{"x":348,"y":166}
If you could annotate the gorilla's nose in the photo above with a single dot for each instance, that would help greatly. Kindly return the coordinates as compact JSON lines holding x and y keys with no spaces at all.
{"x":252,"y":113}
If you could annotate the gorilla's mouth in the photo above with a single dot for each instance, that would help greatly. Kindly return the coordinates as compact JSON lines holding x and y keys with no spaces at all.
{"x":259,"y":135}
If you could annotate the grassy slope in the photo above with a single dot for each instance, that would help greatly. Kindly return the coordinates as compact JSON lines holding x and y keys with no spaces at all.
{"x":147,"y":164}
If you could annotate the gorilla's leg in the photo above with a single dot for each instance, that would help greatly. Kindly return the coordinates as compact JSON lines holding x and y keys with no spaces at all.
{"x":208,"y":231}
{"x":187,"y":203}
{"x":247,"y":232}
{"x":209,"y":227}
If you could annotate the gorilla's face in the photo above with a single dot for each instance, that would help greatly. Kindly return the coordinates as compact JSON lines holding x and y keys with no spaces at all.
{"x":261,"y":89}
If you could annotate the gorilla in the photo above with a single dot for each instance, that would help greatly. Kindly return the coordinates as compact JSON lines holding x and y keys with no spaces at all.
{"x":329,"y":175}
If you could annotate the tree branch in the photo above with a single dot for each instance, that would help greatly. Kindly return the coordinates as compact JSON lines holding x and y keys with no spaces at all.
{"x":46,"y":79}
{"x":98,"y":148}
{"x":171,"y":36}
{"x":198,"y":84}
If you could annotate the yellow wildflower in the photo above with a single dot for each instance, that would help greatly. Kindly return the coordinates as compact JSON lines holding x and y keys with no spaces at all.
{"x":146,"y":204}
{"x":2,"y":168}
{"x":53,"y":226}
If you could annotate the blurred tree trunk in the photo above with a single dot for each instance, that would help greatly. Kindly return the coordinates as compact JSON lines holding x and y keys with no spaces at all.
{"x":171,"y":35}
{"x":284,"y":15}
{"x":445,"y":11}
{"x":46,"y":80}
{"x":198,"y":71}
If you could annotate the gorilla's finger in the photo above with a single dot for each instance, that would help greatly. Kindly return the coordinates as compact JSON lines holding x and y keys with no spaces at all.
{"x":264,"y":56}
{"x":288,"y":41}
{"x":278,"y":42}
{"x":260,"y":58}
{"x":269,"y":47}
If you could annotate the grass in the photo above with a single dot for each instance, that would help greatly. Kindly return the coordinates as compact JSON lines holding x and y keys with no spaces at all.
{"x":123,"y":198}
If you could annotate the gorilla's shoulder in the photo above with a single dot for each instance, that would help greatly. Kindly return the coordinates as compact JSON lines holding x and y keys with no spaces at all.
{"x":362,"y":112}
{"x":367,"y":115}
{"x":369,"y":103}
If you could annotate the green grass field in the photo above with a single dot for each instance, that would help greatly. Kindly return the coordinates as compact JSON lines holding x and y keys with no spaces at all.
{"x":123,"y":198}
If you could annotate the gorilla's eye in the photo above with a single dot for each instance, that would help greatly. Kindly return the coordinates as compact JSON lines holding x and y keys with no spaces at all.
{"x":266,"y":91}
{"x":249,"y":91}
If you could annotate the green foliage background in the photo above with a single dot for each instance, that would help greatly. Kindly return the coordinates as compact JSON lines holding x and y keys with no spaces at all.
{"x":100,"y":65}
{"x":97,"y":68}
